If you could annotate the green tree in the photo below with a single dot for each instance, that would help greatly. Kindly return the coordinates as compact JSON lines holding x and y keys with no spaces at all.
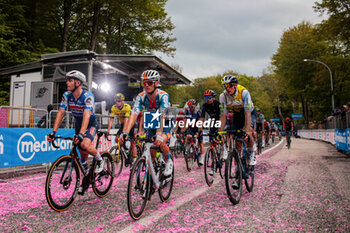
{"x":296,"y":44}
{"x":337,"y":25}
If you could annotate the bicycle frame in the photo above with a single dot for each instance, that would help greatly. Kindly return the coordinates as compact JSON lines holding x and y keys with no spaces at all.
{"x":150,"y":167}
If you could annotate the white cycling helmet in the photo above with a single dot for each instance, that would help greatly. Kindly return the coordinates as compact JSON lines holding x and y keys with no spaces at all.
{"x":151,"y":75}
{"x":75,"y":74}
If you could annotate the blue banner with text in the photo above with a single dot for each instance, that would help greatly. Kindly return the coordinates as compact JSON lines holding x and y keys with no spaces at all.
{"x":20,"y":146}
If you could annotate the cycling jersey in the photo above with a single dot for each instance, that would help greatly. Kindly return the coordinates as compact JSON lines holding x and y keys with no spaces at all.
{"x":288,"y":126}
{"x":238,"y":103}
{"x":190,"y":116}
{"x":85,"y":101}
{"x":213,"y":110}
{"x":122,"y":113}
{"x":161,"y":103}
{"x":260,"y":119}
{"x":267,"y":125}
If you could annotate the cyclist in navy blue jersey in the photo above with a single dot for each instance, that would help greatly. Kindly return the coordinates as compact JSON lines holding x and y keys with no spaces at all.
{"x":81,"y":104}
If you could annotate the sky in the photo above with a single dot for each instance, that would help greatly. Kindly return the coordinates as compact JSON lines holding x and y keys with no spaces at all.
{"x":214,"y":36}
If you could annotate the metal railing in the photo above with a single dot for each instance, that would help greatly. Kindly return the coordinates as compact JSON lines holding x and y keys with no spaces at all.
{"x":21,"y":117}
{"x":333,"y":122}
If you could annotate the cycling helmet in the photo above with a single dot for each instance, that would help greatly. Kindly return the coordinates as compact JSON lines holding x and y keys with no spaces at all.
{"x":257,"y":109}
{"x":75,"y":74}
{"x":191,"y":102}
{"x":229,"y":79}
{"x":119,"y":96}
{"x":151,"y":75}
{"x":209,"y":93}
{"x":181,"y":113}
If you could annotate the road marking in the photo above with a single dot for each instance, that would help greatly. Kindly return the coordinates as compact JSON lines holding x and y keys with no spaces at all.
{"x":147,"y":221}
{"x":265,"y":151}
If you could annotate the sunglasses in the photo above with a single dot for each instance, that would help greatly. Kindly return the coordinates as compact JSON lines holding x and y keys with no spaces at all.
{"x":191,"y":106}
{"x":148,"y":83}
{"x":228,"y":85}
{"x":208,"y":97}
{"x":118,"y":101}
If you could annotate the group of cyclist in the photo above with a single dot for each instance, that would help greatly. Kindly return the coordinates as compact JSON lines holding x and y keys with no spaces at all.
{"x":235,"y":110}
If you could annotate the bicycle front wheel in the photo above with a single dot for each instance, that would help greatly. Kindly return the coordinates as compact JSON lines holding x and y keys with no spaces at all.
{"x":118,"y":160}
{"x":233,"y":177}
{"x":138,"y":189}
{"x":62,"y":183}
{"x":248,"y":174}
{"x":189,"y":158}
{"x":166,"y":187}
{"x":209,"y":166}
{"x":102,"y":182}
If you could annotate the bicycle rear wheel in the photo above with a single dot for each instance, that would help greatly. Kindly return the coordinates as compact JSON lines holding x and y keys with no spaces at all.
{"x":189,"y":158}
{"x":209,"y":166}
{"x":102,"y":182}
{"x":62,"y":183}
{"x":118,"y":160}
{"x":177,"y":149}
{"x":166,"y":187}
{"x":233,"y":175}
{"x":138,"y":189}
{"x":259,"y":145}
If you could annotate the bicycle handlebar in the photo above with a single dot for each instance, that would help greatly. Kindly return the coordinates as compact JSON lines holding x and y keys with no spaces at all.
{"x":59,"y":137}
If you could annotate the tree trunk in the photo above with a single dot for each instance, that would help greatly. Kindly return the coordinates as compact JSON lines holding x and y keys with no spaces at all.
{"x":95,"y":26}
{"x":67,"y":8}
{"x":294,"y":106}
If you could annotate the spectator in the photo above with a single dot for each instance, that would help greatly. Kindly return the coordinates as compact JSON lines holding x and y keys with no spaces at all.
{"x":42,"y":121}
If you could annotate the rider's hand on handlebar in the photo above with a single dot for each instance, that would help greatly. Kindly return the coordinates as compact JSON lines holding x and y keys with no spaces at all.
{"x":123,"y":137}
{"x":158,"y":139}
{"x":51,"y":136}
{"x":78,"y":138}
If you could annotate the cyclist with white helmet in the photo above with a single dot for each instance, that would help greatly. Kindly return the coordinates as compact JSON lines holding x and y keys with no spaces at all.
{"x":153,"y":100}
{"x":236,"y":99}
{"x":81,"y":104}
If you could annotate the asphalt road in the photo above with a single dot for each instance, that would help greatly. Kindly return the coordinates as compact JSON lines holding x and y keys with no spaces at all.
{"x":304,"y":189}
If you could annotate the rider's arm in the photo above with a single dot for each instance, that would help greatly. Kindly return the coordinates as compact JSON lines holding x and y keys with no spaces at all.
{"x":247,"y":121}
{"x":130,"y":122}
{"x":58,"y":119}
{"x":224,"y":110}
{"x":85,"y":123}
{"x":248,"y":108}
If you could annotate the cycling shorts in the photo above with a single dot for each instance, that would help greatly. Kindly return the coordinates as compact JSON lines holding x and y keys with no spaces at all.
{"x":90,"y":131}
{"x":239,"y":119}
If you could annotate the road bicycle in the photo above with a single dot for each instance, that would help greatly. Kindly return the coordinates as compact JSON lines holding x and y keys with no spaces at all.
{"x":179,"y":145}
{"x":288,"y":138}
{"x":145,"y":178}
{"x":122,"y":155}
{"x":213,"y":160}
{"x":63,"y":178}
{"x":266,"y":137}
{"x":237,"y":168}
{"x":259,"y":143}
{"x":192,"y":153}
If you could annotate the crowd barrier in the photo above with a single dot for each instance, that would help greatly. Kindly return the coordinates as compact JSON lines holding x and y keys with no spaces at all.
{"x":25,"y":146}
{"x":338,"y":137}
